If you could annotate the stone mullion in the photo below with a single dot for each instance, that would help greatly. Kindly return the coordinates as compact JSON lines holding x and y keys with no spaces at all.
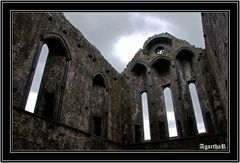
{"x":152,"y":121}
{"x":180,"y":84}
{"x":176,"y":100}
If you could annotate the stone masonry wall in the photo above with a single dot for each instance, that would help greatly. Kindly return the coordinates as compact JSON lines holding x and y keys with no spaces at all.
{"x":215,"y":28}
{"x":31,"y":132}
{"x":179,"y":65}
{"x":30,"y":31}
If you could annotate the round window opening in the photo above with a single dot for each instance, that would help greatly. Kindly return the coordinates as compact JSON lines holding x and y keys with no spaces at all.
{"x":159,"y":50}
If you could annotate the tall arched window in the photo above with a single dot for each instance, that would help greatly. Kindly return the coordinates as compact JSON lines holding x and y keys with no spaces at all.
{"x":139,"y":75}
{"x":185,"y":73}
{"x":48,"y":78}
{"x":37,"y":78}
{"x":146,"y":126}
{"x":172,"y":129}
{"x":99,"y":106}
{"x":197,"y":108}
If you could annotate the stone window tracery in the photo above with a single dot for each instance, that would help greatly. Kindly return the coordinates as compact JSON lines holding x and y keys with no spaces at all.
{"x":159,"y":50}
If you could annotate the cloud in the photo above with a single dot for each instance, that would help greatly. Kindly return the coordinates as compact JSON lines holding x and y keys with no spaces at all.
{"x":131,"y":44}
{"x":109,"y":30}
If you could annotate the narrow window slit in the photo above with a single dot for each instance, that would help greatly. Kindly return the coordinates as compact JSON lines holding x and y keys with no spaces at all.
{"x":97,"y":126}
{"x":145,"y":117}
{"x":34,"y":90}
{"x":172,"y":129}
{"x":197,"y":108}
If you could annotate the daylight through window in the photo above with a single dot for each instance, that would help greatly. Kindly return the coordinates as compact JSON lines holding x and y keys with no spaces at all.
{"x":197,"y":108}
{"x":33,"y":94}
{"x":172,"y":129}
{"x":145,"y":117}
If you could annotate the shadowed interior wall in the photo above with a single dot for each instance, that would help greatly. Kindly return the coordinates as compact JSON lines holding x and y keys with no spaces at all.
{"x":216,"y":30}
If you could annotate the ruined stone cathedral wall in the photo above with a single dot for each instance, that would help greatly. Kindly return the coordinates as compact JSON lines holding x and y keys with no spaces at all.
{"x":85,"y":104}
{"x":176,"y":67}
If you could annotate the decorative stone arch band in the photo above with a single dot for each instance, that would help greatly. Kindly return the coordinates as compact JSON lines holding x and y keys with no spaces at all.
{"x":179,"y":51}
{"x":156,"y":59}
{"x":61,"y":40}
{"x":100,"y":74}
{"x":138,"y":62}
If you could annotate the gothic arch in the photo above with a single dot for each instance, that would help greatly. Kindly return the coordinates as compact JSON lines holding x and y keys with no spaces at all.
{"x":161,"y":70}
{"x":99,"y":105}
{"x":99,"y":77}
{"x":54,"y":76}
{"x":54,"y":36}
{"x":139,"y":75}
{"x":156,"y":59}
{"x":139,"y":64}
{"x":156,"y":40}
{"x":187,"y":51}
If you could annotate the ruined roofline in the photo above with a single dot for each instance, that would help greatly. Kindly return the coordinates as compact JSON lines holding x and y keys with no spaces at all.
{"x":161,"y":38}
{"x":165,"y":35}
{"x":59,"y":16}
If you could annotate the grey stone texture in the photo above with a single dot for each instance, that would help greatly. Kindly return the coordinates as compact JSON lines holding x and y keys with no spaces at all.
{"x":216,"y":30}
{"x":85,"y":104}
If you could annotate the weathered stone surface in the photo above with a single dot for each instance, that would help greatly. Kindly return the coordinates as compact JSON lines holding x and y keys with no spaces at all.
{"x":215,"y":28}
{"x":85,"y":104}
{"x":31,"y":132}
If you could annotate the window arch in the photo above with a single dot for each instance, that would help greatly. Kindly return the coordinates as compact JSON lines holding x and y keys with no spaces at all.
{"x":146,"y":127}
{"x":197,"y":108}
{"x":48,"y":78}
{"x":139,"y":75}
{"x":160,"y":77}
{"x":98,"y":80}
{"x":190,"y":106}
{"x":184,"y":60}
{"x":162,"y":40}
{"x":161,"y":71}
{"x":99,"y":106}
{"x":159,"y":50}
{"x":32,"y":96}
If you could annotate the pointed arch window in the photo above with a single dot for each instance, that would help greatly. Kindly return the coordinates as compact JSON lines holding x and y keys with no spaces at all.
{"x":48,"y":78}
{"x":197,"y":108}
{"x":99,"y":106}
{"x":172,"y":129}
{"x":146,"y":126}
{"x":37,"y":78}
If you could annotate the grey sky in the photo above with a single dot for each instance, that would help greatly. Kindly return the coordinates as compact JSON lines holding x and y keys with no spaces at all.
{"x":111,"y":31}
